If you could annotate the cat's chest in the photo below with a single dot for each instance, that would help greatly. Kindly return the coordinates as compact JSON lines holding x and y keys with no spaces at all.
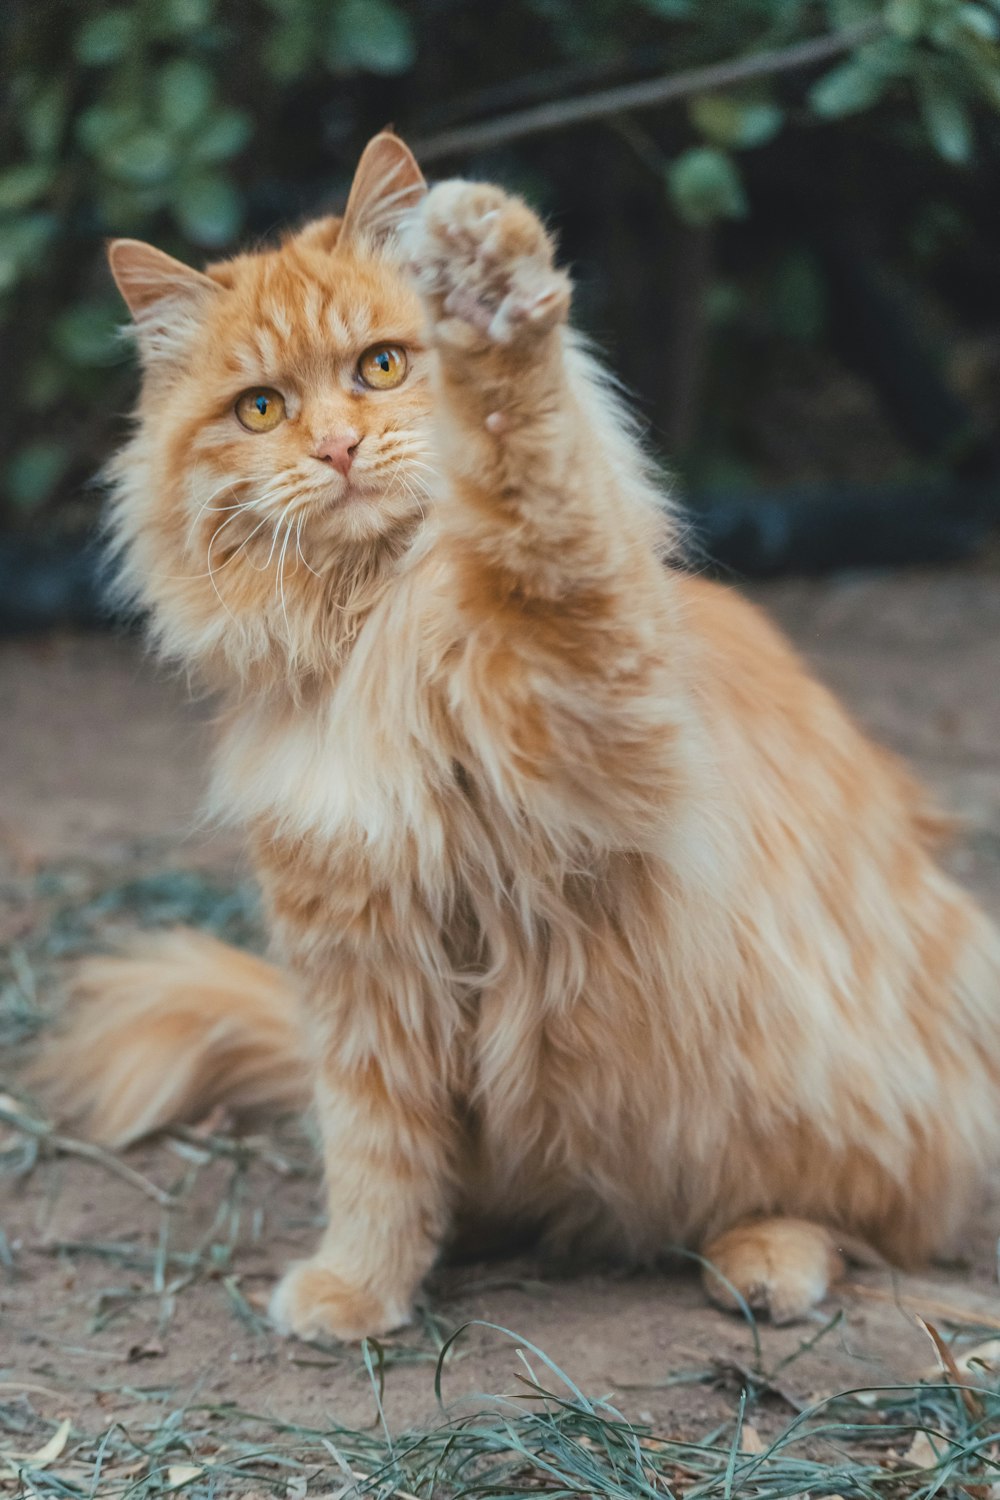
{"x":329,"y":776}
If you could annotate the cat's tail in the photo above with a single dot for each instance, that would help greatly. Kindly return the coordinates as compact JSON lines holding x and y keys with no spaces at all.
{"x":173,"y":1028}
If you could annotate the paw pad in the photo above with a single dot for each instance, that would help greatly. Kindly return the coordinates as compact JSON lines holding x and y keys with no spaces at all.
{"x":483,"y":259}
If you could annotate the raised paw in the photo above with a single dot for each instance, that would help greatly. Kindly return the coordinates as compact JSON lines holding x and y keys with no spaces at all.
{"x":312,"y":1302}
{"x":782,"y":1267}
{"x":483,"y":263}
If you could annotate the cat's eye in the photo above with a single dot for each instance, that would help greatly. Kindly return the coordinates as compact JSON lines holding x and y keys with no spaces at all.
{"x":383,"y":366}
{"x":261,"y":409}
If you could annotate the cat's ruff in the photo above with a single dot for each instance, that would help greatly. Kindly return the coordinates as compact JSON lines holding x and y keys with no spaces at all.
{"x":590,"y":907}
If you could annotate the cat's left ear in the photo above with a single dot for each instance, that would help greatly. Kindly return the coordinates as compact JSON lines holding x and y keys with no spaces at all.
{"x":166,"y":298}
{"x":386,"y":185}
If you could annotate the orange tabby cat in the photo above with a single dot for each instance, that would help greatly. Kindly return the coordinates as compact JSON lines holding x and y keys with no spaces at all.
{"x":590,"y":908}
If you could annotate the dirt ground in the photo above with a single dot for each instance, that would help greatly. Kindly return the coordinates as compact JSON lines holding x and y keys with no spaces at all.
{"x":111,"y":1308}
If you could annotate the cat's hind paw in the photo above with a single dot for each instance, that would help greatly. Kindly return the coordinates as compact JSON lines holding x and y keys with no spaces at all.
{"x":483,"y":263}
{"x":312,"y":1302}
{"x":781,"y":1267}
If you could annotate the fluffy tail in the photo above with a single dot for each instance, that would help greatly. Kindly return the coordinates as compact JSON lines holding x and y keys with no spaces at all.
{"x":167,"y":1032}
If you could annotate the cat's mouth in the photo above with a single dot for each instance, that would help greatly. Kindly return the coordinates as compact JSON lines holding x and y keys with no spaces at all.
{"x":353,"y":493}
{"x":356,"y":489}
{"x":333,"y":497}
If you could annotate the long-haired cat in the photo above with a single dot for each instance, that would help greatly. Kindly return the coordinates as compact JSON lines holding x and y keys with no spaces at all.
{"x":591,"y":910}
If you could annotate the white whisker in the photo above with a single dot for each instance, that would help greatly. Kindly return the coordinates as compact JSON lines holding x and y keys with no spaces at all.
{"x":298,"y":546}
{"x":280,"y":585}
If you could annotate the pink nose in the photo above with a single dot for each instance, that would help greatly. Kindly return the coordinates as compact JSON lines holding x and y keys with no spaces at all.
{"x":338,"y":450}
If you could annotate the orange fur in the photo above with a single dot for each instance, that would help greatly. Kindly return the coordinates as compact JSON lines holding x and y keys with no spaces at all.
{"x":602,"y":914}
{"x":183,"y":1023}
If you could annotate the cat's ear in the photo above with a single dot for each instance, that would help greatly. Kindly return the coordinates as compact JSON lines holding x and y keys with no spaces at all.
{"x":166,"y":298}
{"x":386,"y":185}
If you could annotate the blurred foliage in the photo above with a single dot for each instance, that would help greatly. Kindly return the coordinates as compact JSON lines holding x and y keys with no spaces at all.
{"x":191,"y":122}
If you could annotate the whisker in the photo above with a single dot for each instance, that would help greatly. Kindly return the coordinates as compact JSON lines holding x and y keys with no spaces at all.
{"x":230,"y":485}
{"x":208,"y":559}
{"x":233,"y":555}
{"x":194,"y":577}
{"x":281,"y":576}
{"x":277,"y":532}
{"x":298,"y":546}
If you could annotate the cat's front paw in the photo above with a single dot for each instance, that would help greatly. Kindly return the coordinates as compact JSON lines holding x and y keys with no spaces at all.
{"x":483,"y":263}
{"x":312,"y":1301}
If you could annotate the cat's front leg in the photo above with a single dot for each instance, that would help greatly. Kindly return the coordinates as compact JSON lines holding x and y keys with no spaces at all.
{"x":558,"y":610}
{"x":507,"y":425}
{"x":386,"y":1134}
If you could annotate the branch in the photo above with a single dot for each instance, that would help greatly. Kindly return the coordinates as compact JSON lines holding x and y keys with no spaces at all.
{"x":561,"y":113}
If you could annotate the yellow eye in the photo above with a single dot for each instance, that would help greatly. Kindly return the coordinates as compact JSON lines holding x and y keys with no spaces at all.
{"x":260,"y":410}
{"x":383,"y":366}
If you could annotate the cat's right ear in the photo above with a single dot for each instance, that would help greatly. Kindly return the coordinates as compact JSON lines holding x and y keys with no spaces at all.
{"x":166,"y":298}
{"x":386,"y":185}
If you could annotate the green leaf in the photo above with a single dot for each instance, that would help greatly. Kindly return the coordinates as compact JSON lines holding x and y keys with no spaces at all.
{"x":102,"y":126}
{"x":847,"y":13}
{"x":87,"y":334}
{"x":723,"y":303}
{"x":209,"y":209}
{"x":979,"y":22}
{"x":944,"y":30}
{"x":371,"y":34}
{"x":670,"y":10}
{"x":850,"y":87}
{"x":945,"y":117}
{"x":106,"y":37}
{"x":22,"y":185}
{"x":126,"y":209}
{"x":22,"y":241}
{"x":34,"y":472}
{"x":222,"y":136}
{"x":290,"y":49}
{"x":986,"y":75}
{"x":905,"y":17}
{"x":44,"y":117}
{"x":147,"y":156}
{"x":728,"y":120}
{"x":184,"y":94}
{"x":705,"y":185}
{"x":177,"y":17}
{"x":45,"y":383}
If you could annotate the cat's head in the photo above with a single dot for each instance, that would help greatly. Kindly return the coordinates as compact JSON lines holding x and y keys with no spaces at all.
{"x":280,"y":458}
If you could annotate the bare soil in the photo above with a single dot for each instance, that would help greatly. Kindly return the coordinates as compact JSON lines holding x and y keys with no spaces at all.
{"x":113,"y":1309}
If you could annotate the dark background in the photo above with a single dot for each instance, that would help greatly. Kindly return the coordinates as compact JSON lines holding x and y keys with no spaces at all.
{"x":793,"y":259}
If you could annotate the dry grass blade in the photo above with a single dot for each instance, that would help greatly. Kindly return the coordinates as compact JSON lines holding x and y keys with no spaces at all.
{"x":66,"y":1145}
{"x":48,"y":1452}
{"x":951,"y":1312}
{"x":952,"y":1373}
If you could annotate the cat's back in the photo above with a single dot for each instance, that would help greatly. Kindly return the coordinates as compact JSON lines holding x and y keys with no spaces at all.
{"x":778,"y":728}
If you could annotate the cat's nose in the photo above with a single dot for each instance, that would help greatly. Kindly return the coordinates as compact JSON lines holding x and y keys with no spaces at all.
{"x":338,"y":449}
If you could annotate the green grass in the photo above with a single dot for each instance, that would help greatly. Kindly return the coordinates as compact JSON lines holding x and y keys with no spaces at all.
{"x":551,"y":1440}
